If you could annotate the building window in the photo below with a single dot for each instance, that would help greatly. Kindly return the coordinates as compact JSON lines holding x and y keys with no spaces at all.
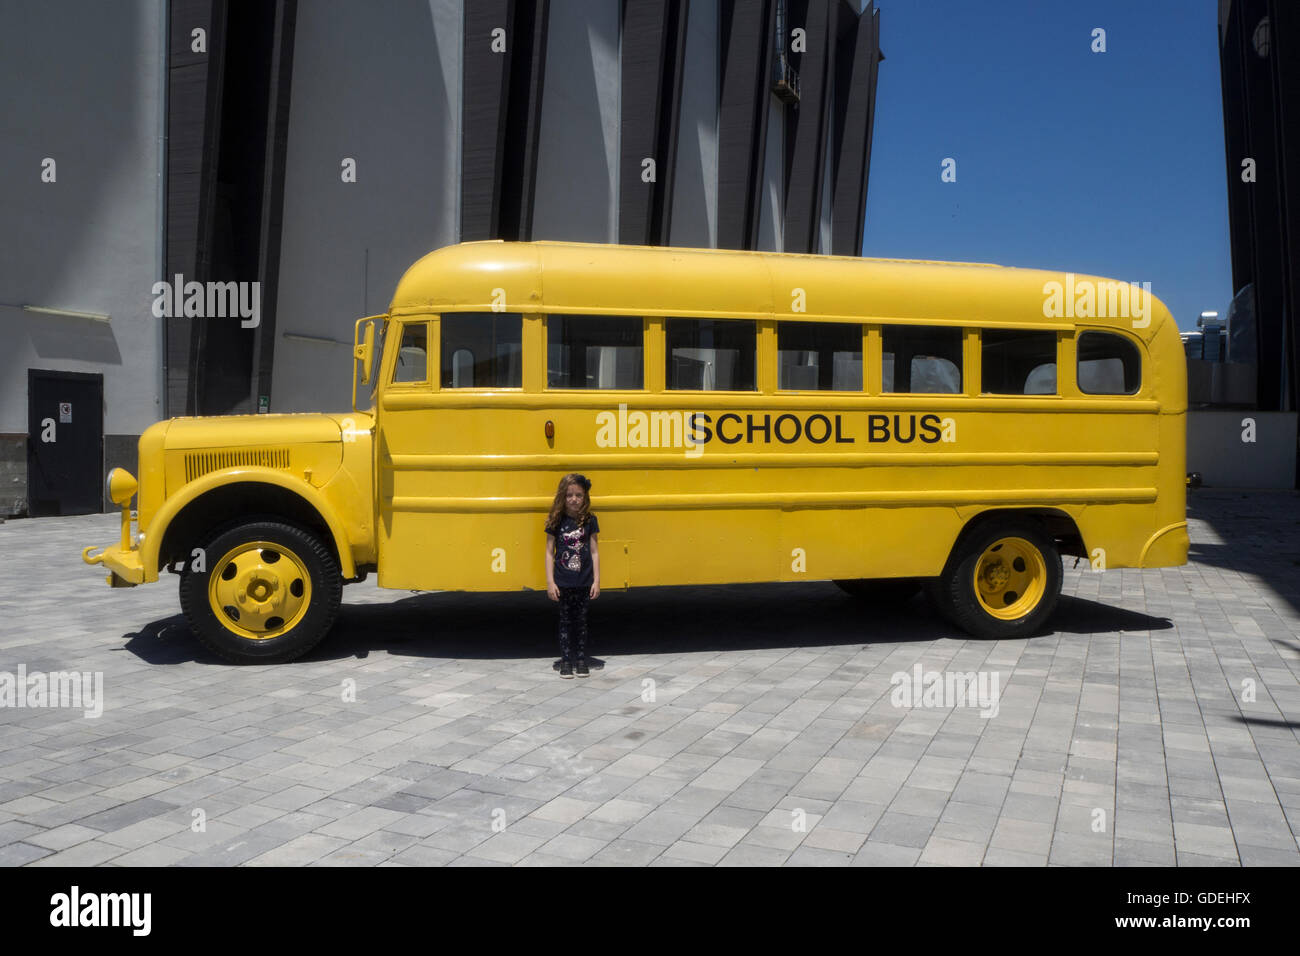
{"x":1109,"y":364}
{"x":413,"y":354}
{"x":594,"y":351}
{"x":822,"y":356}
{"x":482,"y":350}
{"x":711,"y":354}
{"x":1018,"y":362}
{"x":921,"y":359}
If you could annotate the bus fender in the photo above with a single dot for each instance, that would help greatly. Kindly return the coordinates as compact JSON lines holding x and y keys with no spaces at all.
{"x":1167,"y":548}
{"x":176,"y":503}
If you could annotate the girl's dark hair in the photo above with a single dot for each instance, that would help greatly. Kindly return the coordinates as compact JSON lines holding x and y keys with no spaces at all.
{"x":557,"y":506}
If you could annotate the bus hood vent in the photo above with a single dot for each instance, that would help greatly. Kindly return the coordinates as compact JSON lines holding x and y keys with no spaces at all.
{"x":199,"y":463}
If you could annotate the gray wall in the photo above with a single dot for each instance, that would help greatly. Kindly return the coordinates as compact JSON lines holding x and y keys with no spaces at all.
{"x":771,"y":218}
{"x":695,"y":184}
{"x":577,"y":157}
{"x":1215,"y":449}
{"x":380,"y":83}
{"x":823,"y":246}
{"x":83,"y":86}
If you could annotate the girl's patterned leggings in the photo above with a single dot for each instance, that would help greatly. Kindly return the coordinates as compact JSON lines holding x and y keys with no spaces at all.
{"x":573,"y":623}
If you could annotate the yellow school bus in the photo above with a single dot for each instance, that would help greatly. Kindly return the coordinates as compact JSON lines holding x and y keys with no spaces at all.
{"x":744,"y":417}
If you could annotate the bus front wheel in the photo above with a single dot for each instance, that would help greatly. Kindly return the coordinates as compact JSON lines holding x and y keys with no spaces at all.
{"x":1002,"y":580}
{"x":265,"y":592}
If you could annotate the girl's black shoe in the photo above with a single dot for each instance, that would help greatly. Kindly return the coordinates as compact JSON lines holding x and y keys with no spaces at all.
{"x":566,"y":669}
{"x":580,"y":668}
{"x":593,"y":663}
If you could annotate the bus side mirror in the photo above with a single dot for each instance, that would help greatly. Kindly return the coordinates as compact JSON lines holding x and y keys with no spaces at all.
{"x":364,"y":351}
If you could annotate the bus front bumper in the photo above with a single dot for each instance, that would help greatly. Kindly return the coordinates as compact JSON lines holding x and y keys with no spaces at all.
{"x":125,"y":567}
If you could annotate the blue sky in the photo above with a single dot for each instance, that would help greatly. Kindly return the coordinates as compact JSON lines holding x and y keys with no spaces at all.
{"x":1105,"y":163}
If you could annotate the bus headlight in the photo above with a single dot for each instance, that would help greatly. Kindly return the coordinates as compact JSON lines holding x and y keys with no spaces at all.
{"x":121,"y":486}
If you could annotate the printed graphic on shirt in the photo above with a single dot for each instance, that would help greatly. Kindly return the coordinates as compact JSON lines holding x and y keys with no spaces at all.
{"x":571,"y":557}
{"x":573,"y":563}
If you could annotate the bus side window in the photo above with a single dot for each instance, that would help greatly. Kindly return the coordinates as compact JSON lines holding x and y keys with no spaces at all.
{"x":921,"y":359}
{"x":1018,"y":362}
{"x":1109,"y":364}
{"x":413,"y":355}
{"x":826,"y":356}
{"x":593,"y":351}
{"x":482,"y":350}
{"x":712,"y":354}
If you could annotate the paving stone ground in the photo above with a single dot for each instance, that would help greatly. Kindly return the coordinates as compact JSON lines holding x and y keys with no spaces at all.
{"x":1154,"y":723}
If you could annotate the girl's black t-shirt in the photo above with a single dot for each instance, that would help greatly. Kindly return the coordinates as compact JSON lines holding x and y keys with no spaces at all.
{"x":573,"y":552}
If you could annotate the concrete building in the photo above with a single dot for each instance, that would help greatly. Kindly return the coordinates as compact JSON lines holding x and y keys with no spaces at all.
{"x":1259,"y":51}
{"x":318,"y":149}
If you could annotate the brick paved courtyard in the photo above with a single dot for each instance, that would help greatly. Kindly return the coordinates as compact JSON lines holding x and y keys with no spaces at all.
{"x":732,"y":725}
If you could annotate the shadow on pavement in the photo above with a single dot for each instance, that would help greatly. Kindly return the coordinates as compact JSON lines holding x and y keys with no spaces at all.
{"x":668,"y":620}
{"x":1075,"y":615}
{"x":1260,"y":532}
{"x":1266,"y":722}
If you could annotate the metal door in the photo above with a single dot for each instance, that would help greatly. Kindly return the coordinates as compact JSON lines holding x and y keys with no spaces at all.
{"x":65,"y":443}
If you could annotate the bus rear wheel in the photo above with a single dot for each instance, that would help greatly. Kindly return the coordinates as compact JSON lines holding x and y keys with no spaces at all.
{"x":266,"y":592}
{"x":881,"y":590}
{"x":1002,"y":581}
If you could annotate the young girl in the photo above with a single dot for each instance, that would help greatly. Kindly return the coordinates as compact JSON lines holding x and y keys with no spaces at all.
{"x":572,"y":568}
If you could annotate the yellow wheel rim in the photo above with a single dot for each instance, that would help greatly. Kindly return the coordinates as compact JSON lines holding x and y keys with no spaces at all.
{"x":1010,"y":578}
{"x":259,"y":590}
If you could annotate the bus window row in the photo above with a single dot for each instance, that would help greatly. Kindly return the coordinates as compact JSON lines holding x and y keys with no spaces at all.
{"x":484,"y":350}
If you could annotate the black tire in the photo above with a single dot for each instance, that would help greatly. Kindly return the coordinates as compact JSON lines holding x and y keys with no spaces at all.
{"x":955,"y":591}
{"x":315,"y":606}
{"x":881,"y":590}
{"x":938,"y":597}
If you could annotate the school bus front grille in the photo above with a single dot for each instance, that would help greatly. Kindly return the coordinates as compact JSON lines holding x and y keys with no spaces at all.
{"x":199,"y":463}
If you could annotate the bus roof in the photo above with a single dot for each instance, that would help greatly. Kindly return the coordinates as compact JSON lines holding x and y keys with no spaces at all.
{"x":605,"y":279}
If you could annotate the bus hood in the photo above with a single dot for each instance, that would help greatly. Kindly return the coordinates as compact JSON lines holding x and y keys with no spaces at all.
{"x":232,"y":431}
